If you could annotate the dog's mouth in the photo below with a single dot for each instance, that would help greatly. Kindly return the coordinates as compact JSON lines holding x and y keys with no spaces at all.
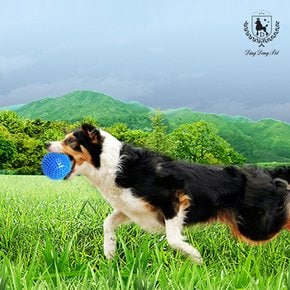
{"x":73,"y":164}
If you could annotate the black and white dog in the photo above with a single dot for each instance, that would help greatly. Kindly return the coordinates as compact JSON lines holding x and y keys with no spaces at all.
{"x":161,"y":194}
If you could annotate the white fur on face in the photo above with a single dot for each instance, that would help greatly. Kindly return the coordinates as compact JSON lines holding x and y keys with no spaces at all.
{"x":104,"y":176}
{"x":55,"y":146}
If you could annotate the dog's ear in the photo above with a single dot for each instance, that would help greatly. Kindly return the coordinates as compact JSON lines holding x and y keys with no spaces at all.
{"x":65,"y":130}
{"x":92,"y":132}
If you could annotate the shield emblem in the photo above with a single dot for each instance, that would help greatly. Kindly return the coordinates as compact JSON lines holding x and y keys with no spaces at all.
{"x":261,"y":25}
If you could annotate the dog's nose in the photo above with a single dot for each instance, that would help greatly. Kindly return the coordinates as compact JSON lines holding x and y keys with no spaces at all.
{"x":47,"y":145}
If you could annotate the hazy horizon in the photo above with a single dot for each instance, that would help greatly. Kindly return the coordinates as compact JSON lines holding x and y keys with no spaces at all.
{"x":161,"y":54}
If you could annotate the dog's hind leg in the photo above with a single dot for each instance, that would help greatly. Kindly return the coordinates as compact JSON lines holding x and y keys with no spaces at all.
{"x":111,"y":222}
{"x":287,"y":226}
{"x":175,"y":238}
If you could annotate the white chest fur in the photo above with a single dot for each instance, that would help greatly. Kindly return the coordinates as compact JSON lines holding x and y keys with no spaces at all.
{"x":139,"y":211}
{"x":122,"y":199}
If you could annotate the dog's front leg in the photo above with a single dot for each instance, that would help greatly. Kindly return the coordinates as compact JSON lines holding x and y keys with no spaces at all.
{"x":111,"y":222}
{"x":175,"y":238}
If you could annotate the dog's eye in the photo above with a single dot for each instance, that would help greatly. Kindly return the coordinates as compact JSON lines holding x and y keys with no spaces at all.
{"x":71,"y":141}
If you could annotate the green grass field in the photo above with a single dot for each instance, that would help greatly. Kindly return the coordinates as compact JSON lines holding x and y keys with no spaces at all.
{"x":51,"y":238}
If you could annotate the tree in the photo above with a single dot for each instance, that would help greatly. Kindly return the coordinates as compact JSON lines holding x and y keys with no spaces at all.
{"x":199,"y":142}
{"x":11,"y":121}
{"x":124,"y":134}
{"x":158,"y":137}
{"x":29,"y":153}
{"x":7,"y":151}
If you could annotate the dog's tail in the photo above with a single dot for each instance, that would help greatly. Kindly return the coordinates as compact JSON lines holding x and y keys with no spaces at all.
{"x":281,"y":175}
{"x":282,"y":172}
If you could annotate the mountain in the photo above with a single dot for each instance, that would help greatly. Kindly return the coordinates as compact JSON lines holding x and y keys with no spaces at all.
{"x":259,"y":141}
{"x":80,"y":104}
{"x":11,"y":108}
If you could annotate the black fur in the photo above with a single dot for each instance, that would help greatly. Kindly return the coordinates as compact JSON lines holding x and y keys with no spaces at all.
{"x":90,"y":138}
{"x":282,"y":172}
{"x":251,"y":195}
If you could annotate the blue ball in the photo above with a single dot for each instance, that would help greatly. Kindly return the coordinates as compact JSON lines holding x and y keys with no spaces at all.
{"x":56,"y":165}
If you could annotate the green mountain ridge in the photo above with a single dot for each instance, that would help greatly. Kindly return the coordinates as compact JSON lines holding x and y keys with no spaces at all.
{"x":80,"y":104}
{"x":259,"y":141}
{"x":11,"y":108}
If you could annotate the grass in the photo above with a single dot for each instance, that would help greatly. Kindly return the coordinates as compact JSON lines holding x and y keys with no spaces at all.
{"x":51,"y":238}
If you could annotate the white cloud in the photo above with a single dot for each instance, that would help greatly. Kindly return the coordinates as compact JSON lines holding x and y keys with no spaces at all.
{"x":190,"y":76}
{"x":128,"y":88}
{"x":278,"y":110}
{"x":11,"y":64}
{"x":155,"y":49}
{"x":122,"y":88}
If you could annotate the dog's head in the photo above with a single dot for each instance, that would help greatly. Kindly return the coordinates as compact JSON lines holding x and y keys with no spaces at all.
{"x":84,"y":147}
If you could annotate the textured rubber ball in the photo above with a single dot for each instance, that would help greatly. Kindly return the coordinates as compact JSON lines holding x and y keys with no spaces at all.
{"x":56,"y":165}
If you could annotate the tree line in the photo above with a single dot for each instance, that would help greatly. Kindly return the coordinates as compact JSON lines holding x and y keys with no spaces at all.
{"x":22,"y":141}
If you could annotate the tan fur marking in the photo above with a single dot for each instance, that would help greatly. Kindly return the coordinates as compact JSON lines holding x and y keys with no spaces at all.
{"x":79,"y":157}
{"x":184,"y":200}
{"x":67,"y":149}
{"x":155,"y":210}
{"x":69,"y":135}
{"x":149,"y":206}
{"x":287,"y":226}
{"x":228,"y":218}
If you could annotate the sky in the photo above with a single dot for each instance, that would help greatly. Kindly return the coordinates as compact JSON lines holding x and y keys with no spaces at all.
{"x":161,"y":53}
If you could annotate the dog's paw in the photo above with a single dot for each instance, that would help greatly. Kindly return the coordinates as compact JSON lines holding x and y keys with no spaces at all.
{"x":109,"y":248}
{"x":198,"y":260}
{"x":196,"y":257}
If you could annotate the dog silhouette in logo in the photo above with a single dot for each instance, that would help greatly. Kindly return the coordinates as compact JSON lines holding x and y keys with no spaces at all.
{"x":260,"y":27}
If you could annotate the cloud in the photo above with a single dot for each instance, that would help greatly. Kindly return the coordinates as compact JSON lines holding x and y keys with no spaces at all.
{"x":114,"y":85}
{"x":154,"y":93}
{"x":279,"y":110}
{"x":155,"y":49}
{"x":11,"y":64}
{"x":190,"y":76}
{"x":124,"y":88}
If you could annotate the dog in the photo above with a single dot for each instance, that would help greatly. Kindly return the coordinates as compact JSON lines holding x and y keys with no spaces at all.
{"x":163,"y":195}
{"x":259,"y":26}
